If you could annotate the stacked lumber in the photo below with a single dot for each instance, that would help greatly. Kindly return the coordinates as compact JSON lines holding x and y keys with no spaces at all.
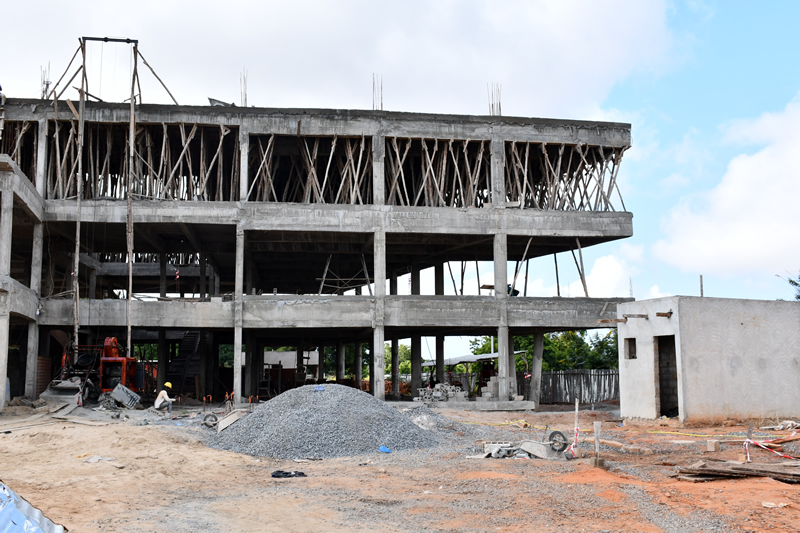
{"x":788,"y":472}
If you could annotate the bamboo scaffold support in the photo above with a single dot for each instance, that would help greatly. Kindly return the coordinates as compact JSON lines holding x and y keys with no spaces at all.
{"x":562,"y":177}
{"x":318,"y":170}
{"x":437,"y":172}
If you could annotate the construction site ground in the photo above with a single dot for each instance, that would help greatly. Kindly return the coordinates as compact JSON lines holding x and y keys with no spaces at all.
{"x":157,"y":475}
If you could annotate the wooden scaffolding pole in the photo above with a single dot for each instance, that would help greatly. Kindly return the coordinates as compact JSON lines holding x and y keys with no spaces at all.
{"x":129,"y":228}
{"x":76,"y":290}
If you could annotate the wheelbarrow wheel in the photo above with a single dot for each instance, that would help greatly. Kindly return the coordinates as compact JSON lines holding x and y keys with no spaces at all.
{"x":558,"y":442}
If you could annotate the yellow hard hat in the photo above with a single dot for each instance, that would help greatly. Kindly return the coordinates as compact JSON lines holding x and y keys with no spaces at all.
{"x":168,"y":384}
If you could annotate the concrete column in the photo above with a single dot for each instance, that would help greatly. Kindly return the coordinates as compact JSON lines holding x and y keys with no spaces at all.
{"x":216,"y":283}
{"x":32,"y":361}
{"x":416,"y":341}
{"x":162,"y":282}
{"x":36,"y":257}
{"x":321,"y":364}
{"x":377,"y":382}
{"x":395,"y":366}
{"x":438,"y":276}
{"x":41,"y":158}
{"x":4,"y":337}
{"x":393,"y":284}
{"x":376,"y":351}
{"x":416,"y":365}
{"x":339,"y":360}
{"x":502,"y":364}
{"x":501,"y":299}
{"x":244,"y":168}
{"x":440,"y":358}
{"x":248,"y":365}
{"x":162,"y":353}
{"x":6,"y":222}
{"x":237,"y":324}
{"x":497,"y":171}
{"x":512,"y":366}
{"x":379,"y":266}
{"x":202,"y":277}
{"x":378,"y":178}
{"x":358,"y":365}
{"x":536,"y":367}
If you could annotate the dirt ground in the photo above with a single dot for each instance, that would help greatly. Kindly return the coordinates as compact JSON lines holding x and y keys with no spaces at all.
{"x":163,"y":478}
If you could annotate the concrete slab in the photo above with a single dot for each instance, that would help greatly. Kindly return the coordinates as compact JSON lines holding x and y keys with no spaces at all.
{"x":485,"y":406}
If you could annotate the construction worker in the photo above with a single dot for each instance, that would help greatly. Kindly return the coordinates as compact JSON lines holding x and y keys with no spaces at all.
{"x":163,"y":401}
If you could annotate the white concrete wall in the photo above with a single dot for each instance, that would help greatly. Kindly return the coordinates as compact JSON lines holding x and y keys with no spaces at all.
{"x":736,"y":359}
{"x":638,"y":393}
{"x":739,"y":358}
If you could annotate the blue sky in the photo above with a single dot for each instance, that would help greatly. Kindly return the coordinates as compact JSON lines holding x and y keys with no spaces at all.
{"x":710,"y":88}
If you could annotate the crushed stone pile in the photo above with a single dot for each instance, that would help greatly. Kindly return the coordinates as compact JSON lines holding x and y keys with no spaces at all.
{"x":430,"y":420}
{"x":337,"y":422}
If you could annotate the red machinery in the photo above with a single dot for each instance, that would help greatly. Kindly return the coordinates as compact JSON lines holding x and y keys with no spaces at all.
{"x":115,"y":369}
{"x":93,"y":369}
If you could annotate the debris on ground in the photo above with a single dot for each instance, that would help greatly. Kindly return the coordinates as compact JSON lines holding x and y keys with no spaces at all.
{"x":282,"y":474}
{"x":786,"y":424}
{"x":337,"y":422}
{"x":708,"y":471}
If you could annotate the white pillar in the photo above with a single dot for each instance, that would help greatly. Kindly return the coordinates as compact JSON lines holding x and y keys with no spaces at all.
{"x":6,"y":222}
{"x":244,"y":170}
{"x":378,"y":178}
{"x":6,"y":219}
{"x":237,"y":324}
{"x":41,"y":159}
{"x":4,"y":334}
{"x":501,"y":299}
{"x":536,"y":367}
{"x":31,"y":364}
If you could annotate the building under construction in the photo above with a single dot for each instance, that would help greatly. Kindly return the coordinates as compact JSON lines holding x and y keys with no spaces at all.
{"x":191,"y":227}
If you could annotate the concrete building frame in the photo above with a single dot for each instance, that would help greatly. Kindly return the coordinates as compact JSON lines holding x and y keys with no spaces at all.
{"x":252,"y":223}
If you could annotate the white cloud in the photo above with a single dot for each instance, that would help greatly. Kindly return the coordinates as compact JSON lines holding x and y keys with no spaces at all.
{"x":655,"y":292}
{"x":632,"y":252}
{"x":745,"y":223}
{"x":552,"y":57}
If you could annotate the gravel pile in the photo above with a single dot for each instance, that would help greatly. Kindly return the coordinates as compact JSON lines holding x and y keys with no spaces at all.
{"x":337,"y":422}
{"x":430,"y":420}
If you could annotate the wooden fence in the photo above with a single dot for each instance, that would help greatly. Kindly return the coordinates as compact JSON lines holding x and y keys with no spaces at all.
{"x":590,"y":386}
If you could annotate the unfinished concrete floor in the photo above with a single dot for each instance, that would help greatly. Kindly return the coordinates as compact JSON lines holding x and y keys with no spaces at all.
{"x":164,"y":479}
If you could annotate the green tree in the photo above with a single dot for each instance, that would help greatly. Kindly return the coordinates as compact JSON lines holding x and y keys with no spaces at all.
{"x":795,"y":283}
{"x":226,"y":355}
{"x":562,"y":351}
{"x":403,"y":352}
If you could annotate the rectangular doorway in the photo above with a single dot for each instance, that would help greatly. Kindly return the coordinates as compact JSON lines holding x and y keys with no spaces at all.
{"x":667,"y":375}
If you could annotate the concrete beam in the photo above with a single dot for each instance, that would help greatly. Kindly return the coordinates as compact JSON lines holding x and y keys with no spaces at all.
{"x":6,"y":225}
{"x":12,"y":179}
{"x":173,"y":314}
{"x":347,"y":122}
{"x":267,"y":311}
{"x":19,"y":299}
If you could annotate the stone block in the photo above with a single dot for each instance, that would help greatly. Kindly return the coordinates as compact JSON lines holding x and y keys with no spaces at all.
{"x":712,"y":445}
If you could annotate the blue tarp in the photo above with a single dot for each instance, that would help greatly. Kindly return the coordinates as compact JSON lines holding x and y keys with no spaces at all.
{"x":17,"y":515}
